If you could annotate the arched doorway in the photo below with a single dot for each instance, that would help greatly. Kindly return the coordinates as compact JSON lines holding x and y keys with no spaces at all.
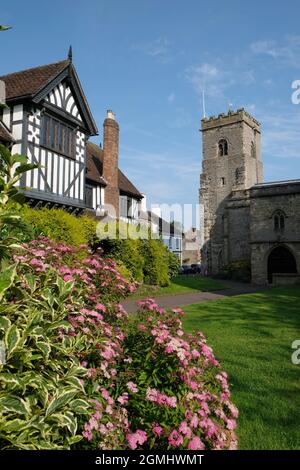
{"x":281,"y":260}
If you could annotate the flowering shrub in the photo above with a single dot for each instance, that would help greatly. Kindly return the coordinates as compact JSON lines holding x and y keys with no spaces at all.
{"x":177,"y":395}
{"x":61,"y":354}
{"x":99,"y":277}
{"x":79,"y":374}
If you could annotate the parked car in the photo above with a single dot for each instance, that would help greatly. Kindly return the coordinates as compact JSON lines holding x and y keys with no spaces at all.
{"x":196,"y":268}
{"x":185,"y":269}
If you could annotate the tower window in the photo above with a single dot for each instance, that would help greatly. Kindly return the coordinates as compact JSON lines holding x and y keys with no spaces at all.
{"x":223,"y":182}
{"x":223,"y":147}
{"x":279,"y":221}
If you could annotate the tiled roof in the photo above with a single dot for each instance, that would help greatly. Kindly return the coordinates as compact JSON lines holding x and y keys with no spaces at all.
{"x":94,"y":157}
{"x":5,"y":135}
{"x":94,"y":167}
{"x":29,"y":82}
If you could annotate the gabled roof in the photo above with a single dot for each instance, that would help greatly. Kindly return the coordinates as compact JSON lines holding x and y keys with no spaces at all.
{"x":28,"y":83}
{"x":37,"y":82}
{"x":5,"y":135}
{"x":94,"y":163}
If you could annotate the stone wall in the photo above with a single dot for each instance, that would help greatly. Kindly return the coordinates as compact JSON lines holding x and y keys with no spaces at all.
{"x":265,"y":200}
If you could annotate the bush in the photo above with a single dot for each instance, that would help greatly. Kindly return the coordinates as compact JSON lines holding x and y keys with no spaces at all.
{"x":56,"y":224}
{"x":127,"y":253}
{"x":174,"y":264}
{"x":60,"y":352}
{"x":156,"y":262}
{"x":239,"y":270}
{"x":178,"y":397}
{"x":147,"y":260}
{"x":88,"y":225}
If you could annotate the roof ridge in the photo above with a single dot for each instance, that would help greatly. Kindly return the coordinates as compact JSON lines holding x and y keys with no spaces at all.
{"x":35,"y":68}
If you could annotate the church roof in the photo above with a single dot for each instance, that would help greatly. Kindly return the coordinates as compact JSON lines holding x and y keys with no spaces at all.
{"x":27,"y":83}
{"x":5,"y":135}
{"x":276,"y":183}
{"x":94,"y":163}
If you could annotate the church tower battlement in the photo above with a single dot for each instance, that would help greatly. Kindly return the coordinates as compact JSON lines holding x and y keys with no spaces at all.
{"x":231,"y":163}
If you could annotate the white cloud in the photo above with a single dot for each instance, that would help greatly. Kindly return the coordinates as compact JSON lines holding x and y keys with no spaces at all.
{"x":286,"y":52}
{"x":209,"y":77}
{"x":158,"y":48}
{"x":281,"y":137}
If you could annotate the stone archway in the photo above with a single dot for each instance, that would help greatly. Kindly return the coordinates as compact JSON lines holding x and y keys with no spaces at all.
{"x":281,"y":260}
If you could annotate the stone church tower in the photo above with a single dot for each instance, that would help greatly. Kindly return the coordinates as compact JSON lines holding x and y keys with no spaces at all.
{"x":231,"y":165}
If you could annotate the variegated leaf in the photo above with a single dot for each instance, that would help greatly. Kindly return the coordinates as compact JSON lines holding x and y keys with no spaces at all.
{"x":14,"y":404}
{"x":61,"y":400}
{"x":12,"y":340}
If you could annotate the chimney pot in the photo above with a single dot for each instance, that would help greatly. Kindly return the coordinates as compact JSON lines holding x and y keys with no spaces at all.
{"x":111,"y":114}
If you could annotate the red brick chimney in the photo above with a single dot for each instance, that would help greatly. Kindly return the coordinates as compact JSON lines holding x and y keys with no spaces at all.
{"x":111,"y":160}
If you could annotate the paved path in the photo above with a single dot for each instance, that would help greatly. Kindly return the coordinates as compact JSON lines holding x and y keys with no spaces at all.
{"x":176,"y":300}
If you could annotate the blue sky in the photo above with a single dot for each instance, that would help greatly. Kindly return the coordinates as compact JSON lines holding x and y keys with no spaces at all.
{"x":148,"y":61}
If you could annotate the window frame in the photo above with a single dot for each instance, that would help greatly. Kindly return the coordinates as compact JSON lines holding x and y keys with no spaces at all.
{"x":53,"y":136}
{"x":223,"y":147}
{"x":279,"y":221}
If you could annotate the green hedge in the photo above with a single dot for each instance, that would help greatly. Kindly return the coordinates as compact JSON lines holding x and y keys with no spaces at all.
{"x":59,"y":225}
{"x":147,"y":261}
{"x":126,"y":252}
{"x":156,"y":262}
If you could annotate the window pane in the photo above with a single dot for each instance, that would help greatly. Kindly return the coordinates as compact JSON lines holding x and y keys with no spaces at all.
{"x":58,"y":136}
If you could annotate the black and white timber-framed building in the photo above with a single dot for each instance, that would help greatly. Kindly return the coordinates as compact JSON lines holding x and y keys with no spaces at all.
{"x":49,"y":120}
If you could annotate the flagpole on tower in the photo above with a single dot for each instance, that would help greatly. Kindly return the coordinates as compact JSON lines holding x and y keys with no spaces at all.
{"x":203,"y":104}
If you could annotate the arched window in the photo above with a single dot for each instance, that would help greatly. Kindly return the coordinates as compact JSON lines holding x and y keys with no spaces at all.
{"x":223,"y":147}
{"x":279,"y":221}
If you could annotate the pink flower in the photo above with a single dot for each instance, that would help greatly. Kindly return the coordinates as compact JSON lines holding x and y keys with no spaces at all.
{"x":231,"y":424}
{"x":196,"y":444}
{"x":184,"y":429}
{"x":194,"y":421}
{"x":157,"y":430}
{"x":139,"y":437}
{"x":123,"y":399}
{"x":234,"y":411}
{"x":175,"y":439}
{"x":195,"y":354}
{"x":101,"y":307}
{"x":132,"y":387}
{"x":92,"y":372}
{"x":88,"y":435}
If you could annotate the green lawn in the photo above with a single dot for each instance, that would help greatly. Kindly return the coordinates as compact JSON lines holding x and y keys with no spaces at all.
{"x":179,"y":285}
{"x":252,"y":336}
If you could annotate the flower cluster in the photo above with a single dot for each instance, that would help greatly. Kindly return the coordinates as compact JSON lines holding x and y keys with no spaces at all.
{"x":184,"y":402}
{"x":98,"y":276}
